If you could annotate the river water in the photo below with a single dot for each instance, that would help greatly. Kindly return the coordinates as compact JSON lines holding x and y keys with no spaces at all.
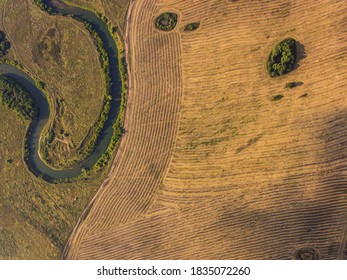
{"x":35,"y":164}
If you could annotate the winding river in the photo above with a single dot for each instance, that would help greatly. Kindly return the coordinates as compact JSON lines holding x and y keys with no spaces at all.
{"x":35,"y":164}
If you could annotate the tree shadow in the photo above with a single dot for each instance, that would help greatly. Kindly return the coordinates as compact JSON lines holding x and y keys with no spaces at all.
{"x":300,"y":54}
{"x":294,"y":84}
{"x":297,"y":84}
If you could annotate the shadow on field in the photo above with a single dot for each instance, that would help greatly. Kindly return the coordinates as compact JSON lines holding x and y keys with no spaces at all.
{"x":324,"y":216}
{"x":309,"y":223}
{"x":300,"y":54}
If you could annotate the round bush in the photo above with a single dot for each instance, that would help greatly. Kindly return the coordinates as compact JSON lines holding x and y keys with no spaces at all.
{"x":192,"y":26}
{"x":282,"y":58}
{"x":166,"y":21}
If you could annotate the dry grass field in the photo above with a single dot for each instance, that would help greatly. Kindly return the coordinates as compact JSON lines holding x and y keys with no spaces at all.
{"x":89,"y":4}
{"x":36,"y":218}
{"x":211,"y":166}
{"x":114,"y":10}
{"x":70,"y":68}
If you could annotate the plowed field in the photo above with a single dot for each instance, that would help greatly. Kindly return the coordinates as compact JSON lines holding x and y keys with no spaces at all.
{"x":211,"y":166}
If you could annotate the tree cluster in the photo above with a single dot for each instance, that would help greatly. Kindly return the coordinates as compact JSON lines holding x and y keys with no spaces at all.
{"x":43,"y":5}
{"x":166,"y":21}
{"x":282,"y":58}
{"x":17,"y":98}
{"x":192,"y":26}
{"x":4,"y":44}
{"x":105,"y":65}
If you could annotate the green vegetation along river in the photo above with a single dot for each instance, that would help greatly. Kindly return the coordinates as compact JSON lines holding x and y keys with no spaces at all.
{"x":34,"y":161}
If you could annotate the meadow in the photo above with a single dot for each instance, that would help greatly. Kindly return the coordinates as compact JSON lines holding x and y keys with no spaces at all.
{"x":36,"y":218}
{"x":47,"y":47}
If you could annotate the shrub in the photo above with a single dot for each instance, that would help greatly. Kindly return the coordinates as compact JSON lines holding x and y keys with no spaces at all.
{"x":166,"y":21}
{"x":290,"y":85}
{"x":192,"y":26}
{"x":282,"y":58}
{"x":43,"y":5}
{"x":277,"y":97}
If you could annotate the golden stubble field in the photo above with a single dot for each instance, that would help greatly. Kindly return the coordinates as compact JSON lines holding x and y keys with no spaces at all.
{"x":211,"y":167}
{"x":60,"y":52}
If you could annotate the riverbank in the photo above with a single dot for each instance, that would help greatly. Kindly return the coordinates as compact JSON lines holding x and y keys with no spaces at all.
{"x":73,"y":234}
{"x":110,"y":126}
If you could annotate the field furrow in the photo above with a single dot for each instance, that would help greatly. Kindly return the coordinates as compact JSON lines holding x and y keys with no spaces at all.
{"x":211,"y":165}
{"x":152,"y":116}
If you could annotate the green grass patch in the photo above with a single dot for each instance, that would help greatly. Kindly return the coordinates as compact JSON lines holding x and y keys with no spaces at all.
{"x":282,"y":58}
{"x":166,"y":21}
